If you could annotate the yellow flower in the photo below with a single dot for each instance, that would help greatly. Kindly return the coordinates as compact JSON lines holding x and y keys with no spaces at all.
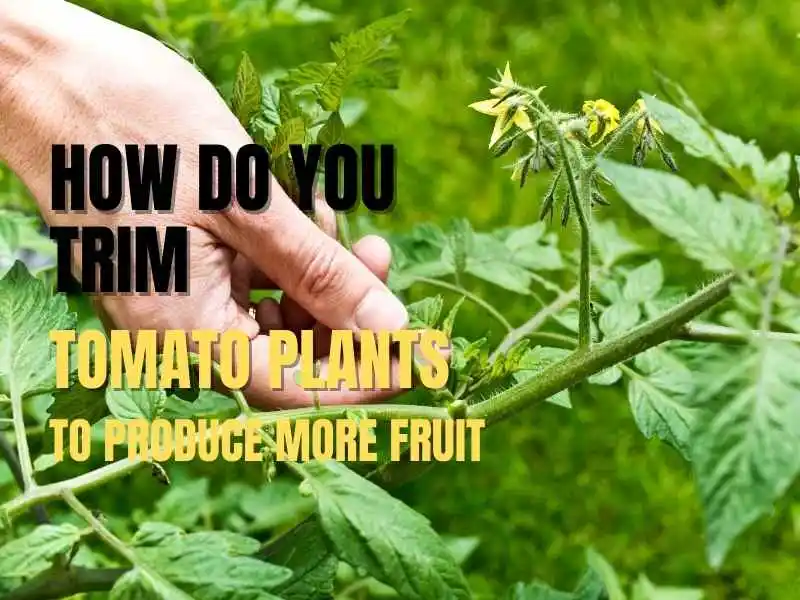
{"x":508,"y":111}
{"x":603,"y":118}
{"x":639,"y":107}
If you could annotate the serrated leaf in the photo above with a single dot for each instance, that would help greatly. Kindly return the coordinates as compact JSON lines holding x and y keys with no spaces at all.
{"x":619,"y":318}
{"x":306,"y":551}
{"x":274,"y":504}
{"x":372,"y":530}
{"x":309,"y":73}
{"x":291,"y":131}
{"x":661,"y":399}
{"x":644,"y":282}
{"x":527,"y":250}
{"x":28,"y":312}
{"x":721,"y":235}
{"x":449,"y":321}
{"x":746,"y":448}
{"x":247,"y":91}
{"x":332,"y":131}
{"x":26,"y":556}
{"x":127,"y":404}
{"x":425,"y":313}
{"x":356,"y":54}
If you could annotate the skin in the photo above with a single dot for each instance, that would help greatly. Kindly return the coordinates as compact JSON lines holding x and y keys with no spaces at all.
{"x":69,"y":76}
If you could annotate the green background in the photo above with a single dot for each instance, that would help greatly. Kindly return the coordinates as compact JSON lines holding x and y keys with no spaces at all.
{"x":551,"y":481}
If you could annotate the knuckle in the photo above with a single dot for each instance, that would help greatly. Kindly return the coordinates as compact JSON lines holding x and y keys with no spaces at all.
{"x":321,"y":275}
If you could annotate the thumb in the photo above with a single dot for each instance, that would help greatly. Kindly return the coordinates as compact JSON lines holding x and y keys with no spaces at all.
{"x":312,"y":268}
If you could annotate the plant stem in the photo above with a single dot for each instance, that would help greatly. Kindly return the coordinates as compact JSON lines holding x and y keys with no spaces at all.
{"x":536,"y":321}
{"x":580,"y":365}
{"x":101,"y":530}
{"x":64,"y":583}
{"x":343,"y":231}
{"x":710,"y":332}
{"x":76,"y":485}
{"x":584,"y":277}
{"x":469,"y":296}
{"x":23,"y":453}
{"x":10,"y":456}
{"x":380,"y":412}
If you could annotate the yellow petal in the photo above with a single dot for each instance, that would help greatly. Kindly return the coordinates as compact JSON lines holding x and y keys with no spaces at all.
{"x":499,"y":130}
{"x":488,"y":107}
{"x":522,"y":121}
{"x":507,"y":79}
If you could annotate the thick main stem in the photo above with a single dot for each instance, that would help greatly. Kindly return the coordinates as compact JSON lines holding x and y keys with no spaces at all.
{"x":580,"y":365}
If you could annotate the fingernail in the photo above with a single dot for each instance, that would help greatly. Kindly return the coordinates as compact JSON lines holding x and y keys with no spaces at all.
{"x":381,"y":310}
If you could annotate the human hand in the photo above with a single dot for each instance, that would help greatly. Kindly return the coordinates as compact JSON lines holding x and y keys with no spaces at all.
{"x":72,"y":77}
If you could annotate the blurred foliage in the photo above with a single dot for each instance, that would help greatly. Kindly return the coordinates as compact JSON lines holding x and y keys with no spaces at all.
{"x":552,"y":481}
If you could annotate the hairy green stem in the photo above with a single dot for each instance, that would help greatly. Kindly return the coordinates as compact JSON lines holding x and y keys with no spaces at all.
{"x":343,"y":231}
{"x":710,"y":332}
{"x":580,"y":365}
{"x":584,"y":277}
{"x":474,"y":298}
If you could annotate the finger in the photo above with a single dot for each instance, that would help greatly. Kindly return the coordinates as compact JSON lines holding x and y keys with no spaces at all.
{"x":309,"y":266}
{"x":268,"y":315}
{"x":376,"y":254}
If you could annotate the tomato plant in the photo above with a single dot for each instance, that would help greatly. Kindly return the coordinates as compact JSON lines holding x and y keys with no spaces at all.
{"x":709,"y":369}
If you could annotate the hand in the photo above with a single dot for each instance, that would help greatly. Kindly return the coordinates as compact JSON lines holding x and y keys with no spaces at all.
{"x":72,"y":77}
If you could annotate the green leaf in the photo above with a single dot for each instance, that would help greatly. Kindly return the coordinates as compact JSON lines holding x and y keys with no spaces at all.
{"x":28,"y":312}
{"x":291,"y":131}
{"x":309,"y":73}
{"x":332,"y":132}
{"x":127,"y":404}
{"x":608,"y":376}
{"x":721,"y":235}
{"x":373,"y":530}
{"x":183,"y":504}
{"x":425,"y":313}
{"x":661,"y":398}
{"x":461,"y":547}
{"x":746,"y":448}
{"x":77,"y":402}
{"x":274,"y":504}
{"x":527,"y":250}
{"x":537,"y":591}
{"x":306,"y":551}
{"x":619,"y":318}
{"x":208,"y":565}
{"x":356,"y":52}
{"x":450,"y":319}
{"x":610,"y":245}
{"x":247,"y":91}
{"x":535,"y":361}
{"x":644,"y":282}
{"x":208,"y":405}
{"x":26,"y":556}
